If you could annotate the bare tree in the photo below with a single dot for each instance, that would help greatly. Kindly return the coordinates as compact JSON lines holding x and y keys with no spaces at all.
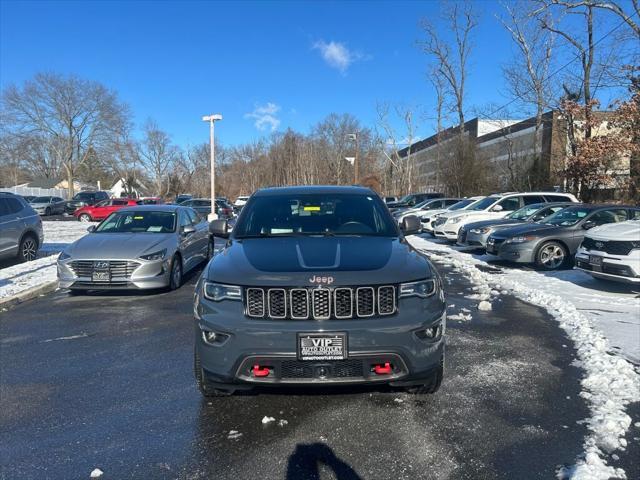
{"x":71,"y":113}
{"x":158,"y":156}
{"x":615,"y":7}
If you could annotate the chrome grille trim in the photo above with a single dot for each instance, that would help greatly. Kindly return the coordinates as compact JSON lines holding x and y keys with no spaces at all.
{"x":320,"y":303}
{"x":271,"y":297}
{"x":293,"y":303}
{"x":120,"y":269}
{"x":317,"y":292}
{"x":373,"y":301}
{"x":254,"y":313}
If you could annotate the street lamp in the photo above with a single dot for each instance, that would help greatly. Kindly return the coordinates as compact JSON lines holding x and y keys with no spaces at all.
{"x":212,"y":119}
{"x":354,"y":137}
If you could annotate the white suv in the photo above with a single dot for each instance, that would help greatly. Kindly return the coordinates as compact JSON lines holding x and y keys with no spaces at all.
{"x":241,"y":201}
{"x":429,"y":218}
{"x":612,"y":252}
{"x":493,"y":206}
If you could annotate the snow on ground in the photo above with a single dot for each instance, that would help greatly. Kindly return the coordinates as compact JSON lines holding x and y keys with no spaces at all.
{"x":595,"y":319}
{"x":57,"y":236}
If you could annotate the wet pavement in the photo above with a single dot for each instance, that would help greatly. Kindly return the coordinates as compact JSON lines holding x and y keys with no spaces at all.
{"x":105,"y":381}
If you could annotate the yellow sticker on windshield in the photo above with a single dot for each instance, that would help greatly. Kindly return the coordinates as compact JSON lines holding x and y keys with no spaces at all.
{"x":311,"y":209}
{"x":138,"y":218}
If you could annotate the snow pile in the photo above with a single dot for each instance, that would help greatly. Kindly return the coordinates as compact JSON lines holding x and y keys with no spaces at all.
{"x":266,"y":420}
{"x":484,"y":305}
{"x":57,"y":236}
{"x":610,"y":383}
{"x":96,"y":473}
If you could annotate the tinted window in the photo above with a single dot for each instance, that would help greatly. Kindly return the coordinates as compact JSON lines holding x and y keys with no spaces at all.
{"x":484,"y":203}
{"x":120,"y":202}
{"x":41,"y":200}
{"x":510,"y":204}
{"x":315,"y":214}
{"x":184,"y":219}
{"x":450,"y":202}
{"x":531,"y":199}
{"x":558,"y":198}
{"x":193,"y":216}
{"x":103,"y":203}
{"x":13,"y":205}
{"x":4,"y":208}
{"x":609,"y":216}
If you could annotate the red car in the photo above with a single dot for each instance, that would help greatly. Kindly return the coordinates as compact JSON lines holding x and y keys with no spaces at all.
{"x":102,"y":210}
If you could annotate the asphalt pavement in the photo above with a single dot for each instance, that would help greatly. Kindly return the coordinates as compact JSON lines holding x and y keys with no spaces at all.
{"x":105,"y":381}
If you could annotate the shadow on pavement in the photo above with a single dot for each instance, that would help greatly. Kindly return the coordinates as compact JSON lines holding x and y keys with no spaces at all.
{"x":306,"y":460}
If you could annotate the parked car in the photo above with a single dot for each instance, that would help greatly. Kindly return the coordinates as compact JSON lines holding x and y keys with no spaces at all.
{"x":102,"y":210}
{"x":425,"y":207}
{"x":552,"y":244}
{"x":142,"y":247}
{"x":150,"y":201}
{"x":20,"y":228}
{"x":28,"y":198}
{"x":82,"y":199}
{"x":493,"y":207}
{"x":48,"y":205}
{"x":428,"y":218}
{"x":612,"y":252}
{"x":183,"y":197}
{"x":475,"y":234}
{"x":318,"y":286}
{"x":241,"y":201}
{"x":203,"y":207}
{"x":389,"y":200}
{"x":412,"y":199}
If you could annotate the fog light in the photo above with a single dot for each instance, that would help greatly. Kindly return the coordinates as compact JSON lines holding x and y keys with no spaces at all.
{"x":213,"y":338}
{"x":431,"y":333}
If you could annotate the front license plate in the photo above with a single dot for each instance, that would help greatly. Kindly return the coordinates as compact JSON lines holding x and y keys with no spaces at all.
{"x":324,"y":346}
{"x":595,"y":260}
{"x":100,"y":277}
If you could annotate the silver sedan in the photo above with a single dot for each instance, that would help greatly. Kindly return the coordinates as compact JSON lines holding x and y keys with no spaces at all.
{"x":141,"y":247}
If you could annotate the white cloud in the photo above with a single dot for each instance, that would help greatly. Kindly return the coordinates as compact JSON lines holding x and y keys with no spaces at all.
{"x":337,"y":55}
{"x":265,"y":116}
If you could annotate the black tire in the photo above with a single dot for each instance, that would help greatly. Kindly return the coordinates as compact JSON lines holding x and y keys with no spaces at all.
{"x":28,"y":248}
{"x":432,"y":386}
{"x":201,"y":383}
{"x":47,"y":211}
{"x":551,"y":256}
{"x":84,"y":217}
{"x":175,"y":276}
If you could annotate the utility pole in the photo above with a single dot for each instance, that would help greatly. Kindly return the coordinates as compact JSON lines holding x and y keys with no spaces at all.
{"x":212,"y":119}
{"x":356,"y":166}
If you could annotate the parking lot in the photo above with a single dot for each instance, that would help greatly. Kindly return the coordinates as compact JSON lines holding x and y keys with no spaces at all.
{"x":105,"y":381}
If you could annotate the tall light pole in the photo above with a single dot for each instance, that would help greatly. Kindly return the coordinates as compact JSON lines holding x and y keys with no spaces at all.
{"x":212,"y":119}
{"x":354,"y":137}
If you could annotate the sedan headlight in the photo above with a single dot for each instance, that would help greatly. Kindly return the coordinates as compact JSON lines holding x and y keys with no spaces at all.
{"x":422,"y":289}
{"x":63,"y":256}
{"x":481,"y":230}
{"x":218,"y":292}
{"x":159,"y":255}
{"x":521,"y":239}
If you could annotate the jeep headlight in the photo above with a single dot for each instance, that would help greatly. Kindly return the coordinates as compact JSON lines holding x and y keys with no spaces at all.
{"x":520,"y":239}
{"x":218,"y":292}
{"x":422,"y":289}
{"x":455,"y":220}
{"x":159,"y":255}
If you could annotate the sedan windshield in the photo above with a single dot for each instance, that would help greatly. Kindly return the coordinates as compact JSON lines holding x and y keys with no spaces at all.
{"x":525,"y":212}
{"x":138,"y":222}
{"x":312,"y":214}
{"x":568,"y":216}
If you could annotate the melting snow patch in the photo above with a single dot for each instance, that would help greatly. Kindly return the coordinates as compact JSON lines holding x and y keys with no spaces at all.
{"x":463,"y":317}
{"x":610,"y":382}
{"x":282,"y":422}
{"x":233,"y":434}
{"x":96,"y":473}
{"x":266,"y":420}
{"x":484,"y":306}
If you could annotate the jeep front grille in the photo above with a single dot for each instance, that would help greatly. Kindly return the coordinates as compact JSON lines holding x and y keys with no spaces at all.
{"x":320,"y":303}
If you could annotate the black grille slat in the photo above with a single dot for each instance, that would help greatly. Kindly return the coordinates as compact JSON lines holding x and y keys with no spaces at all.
{"x":337,"y":369}
{"x":365,"y":298}
{"x":612,"y":247}
{"x":320,"y":303}
{"x":117,"y":268}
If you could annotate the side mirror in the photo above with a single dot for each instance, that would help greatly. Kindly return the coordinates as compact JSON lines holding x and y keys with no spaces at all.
{"x":91,"y":228}
{"x":497,"y":208}
{"x":410,"y":225}
{"x":588,"y":224}
{"x":188,"y":230}
{"x":219,"y":228}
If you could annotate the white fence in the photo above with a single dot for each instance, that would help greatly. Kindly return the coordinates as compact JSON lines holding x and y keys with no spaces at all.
{"x":37,"y":192}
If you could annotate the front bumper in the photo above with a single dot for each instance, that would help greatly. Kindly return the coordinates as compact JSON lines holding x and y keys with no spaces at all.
{"x":514,"y":252}
{"x":478,"y":240}
{"x":247,"y":342}
{"x":619,"y":268}
{"x":448,"y":231}
{"x":149,"y":275}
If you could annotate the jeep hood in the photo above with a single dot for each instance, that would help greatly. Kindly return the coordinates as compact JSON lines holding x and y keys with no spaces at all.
{"x":294,"y":261}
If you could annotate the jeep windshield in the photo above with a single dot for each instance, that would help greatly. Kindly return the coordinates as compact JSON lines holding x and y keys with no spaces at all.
{"x":314,"y":214}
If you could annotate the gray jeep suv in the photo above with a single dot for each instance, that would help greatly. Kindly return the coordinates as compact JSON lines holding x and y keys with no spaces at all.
{"x":318,"y":286}
{"x":20,"y":228}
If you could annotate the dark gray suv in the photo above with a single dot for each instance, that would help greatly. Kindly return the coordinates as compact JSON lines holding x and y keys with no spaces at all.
{"x":20,"y":228}
{"x":318,"y":286}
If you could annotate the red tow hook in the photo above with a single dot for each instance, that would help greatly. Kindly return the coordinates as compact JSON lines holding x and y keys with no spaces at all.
{"x":382,"y":369}
{"x":260,"y":372}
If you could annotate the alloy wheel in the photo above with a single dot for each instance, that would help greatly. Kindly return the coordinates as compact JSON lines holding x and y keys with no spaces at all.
{"x":29,"y":249}
{"x":552,"y":256}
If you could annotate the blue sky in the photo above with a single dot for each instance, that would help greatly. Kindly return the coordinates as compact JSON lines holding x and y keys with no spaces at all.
{"x":263,"y":65}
